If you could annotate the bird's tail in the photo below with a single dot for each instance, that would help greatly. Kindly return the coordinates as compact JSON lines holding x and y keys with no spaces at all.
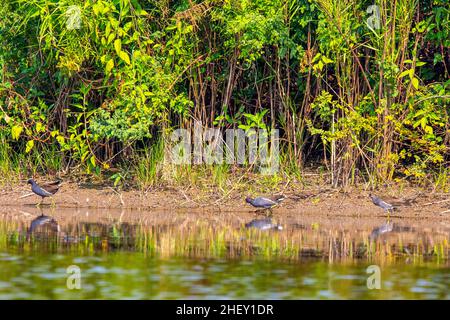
{"x":279,"y":199}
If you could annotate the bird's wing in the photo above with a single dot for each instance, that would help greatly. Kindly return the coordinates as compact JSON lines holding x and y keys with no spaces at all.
{"x":384,"y":204}
{"x":53,"y":183}
{"x":51,"y":187}
{"x":267,"y":200}
{"x":43,"y":192}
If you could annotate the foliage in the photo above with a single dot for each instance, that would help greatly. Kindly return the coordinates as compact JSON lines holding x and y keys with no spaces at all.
{"x":90,"y":82}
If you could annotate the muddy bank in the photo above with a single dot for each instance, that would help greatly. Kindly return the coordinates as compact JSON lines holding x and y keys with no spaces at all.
{"x":412,"y":203}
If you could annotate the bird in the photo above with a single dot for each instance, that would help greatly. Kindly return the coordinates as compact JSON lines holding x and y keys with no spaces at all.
{"x":265,"y":203}
{"x":263,"y":224}
{"x":380,"y":203}
{"x":45,"y":190}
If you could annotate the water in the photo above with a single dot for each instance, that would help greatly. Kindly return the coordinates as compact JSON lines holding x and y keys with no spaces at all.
{"x":170,"y":255}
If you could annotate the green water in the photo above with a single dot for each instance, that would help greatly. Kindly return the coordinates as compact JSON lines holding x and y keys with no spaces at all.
{"x":137,"y":260}
{"x":125,"y":275}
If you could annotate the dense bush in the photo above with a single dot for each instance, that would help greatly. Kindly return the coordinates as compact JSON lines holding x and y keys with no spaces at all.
{"x":351,"y":91}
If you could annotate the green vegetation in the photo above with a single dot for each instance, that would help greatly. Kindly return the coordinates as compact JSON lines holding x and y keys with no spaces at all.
{"x":365,"y":99}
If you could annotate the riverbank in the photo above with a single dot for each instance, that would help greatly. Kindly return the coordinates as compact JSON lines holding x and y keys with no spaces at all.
{"x":320,"y":200}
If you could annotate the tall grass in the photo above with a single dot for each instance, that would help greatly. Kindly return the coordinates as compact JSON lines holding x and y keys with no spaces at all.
{"x":8,"y":169}
{"x":149,"y":164}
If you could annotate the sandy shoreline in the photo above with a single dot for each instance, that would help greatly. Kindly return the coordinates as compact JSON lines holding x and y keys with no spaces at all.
{"x":411,"y":203}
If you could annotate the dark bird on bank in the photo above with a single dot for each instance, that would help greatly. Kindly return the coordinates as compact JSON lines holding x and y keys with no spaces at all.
{"x":265,"y":203}
{"x":380,"y":203}
{"x":45,"y":190}
{"x":263,"y":224}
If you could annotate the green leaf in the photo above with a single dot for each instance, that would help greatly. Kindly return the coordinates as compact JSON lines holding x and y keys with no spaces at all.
{"x":423,"y":122}
{"x":417,"y":123}
{"x":118,"y":46}
{"x":92,"y":161}
{"x":326,"y":60}
{"x":108,"y":29}
{"x":30,"y":145}
{"x":404,"y":73}
{"x":84,"y":155}
{"x":60,"y":140}
{"x":117,"y":180}
{"x":96,"y":9}
{"x":316,"y":57}
{"x":39,"y":127}
{"x":111,"y":37}
{"x":109,"y":65}
{"x":16,"y":131}
{"x":141,"y":12}
{"x":320,"y":65}
{"x":125,"y":57}
{"x":415,"y":83}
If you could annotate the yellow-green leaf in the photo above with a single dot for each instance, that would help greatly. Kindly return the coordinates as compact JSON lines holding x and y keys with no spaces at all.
{"x":429,"y":129}
{"x":136,"y":54}
{"x":111,"y":37}
{"x":30,"y":145}
{"x":326,"y":60}
{"x":415,"y":83}
{"x":118,"y":46}
{"x":316,"y":57}
{"x":124,"y":56}
{"x":60,"y":140}
{"x":92,"y":161}
{"x":320,"y":65}
{"x":15,"y":132}
{"x":38,"y":126}
{"x":404,"y":73}
{"x":109,"y":65}
{"x":108,"y":29}
{"x":95,"y":8}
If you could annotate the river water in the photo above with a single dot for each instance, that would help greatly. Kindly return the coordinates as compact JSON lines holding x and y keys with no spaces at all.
{"x":112,"y":254}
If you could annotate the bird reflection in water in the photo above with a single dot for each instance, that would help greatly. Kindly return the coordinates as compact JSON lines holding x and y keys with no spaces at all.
{"x":378,"y":231}
{"x":263,"y":224}
{"x":43,"y":225}
{"x":388,"y":227}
